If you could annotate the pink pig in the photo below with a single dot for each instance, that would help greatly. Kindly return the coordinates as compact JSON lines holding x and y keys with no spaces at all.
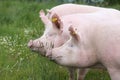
{"x":95,"y":41}
{"x":46,"y":41}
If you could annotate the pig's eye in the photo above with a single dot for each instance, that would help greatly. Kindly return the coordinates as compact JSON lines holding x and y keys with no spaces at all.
{"x":48,"y":35}
{"x":71,"y":45}
{"x":52,"y":35}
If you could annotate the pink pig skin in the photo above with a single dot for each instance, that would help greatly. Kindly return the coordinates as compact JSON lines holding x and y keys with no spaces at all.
{"x":43,"y":43}
{"x":97,"y":40}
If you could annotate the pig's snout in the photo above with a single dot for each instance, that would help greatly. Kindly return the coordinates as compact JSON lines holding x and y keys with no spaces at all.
{"x":35,"y":44}
{"x":30,"y":43}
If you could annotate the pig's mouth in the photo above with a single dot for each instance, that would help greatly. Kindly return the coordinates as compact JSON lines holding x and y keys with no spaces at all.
{"x":38,"y":51}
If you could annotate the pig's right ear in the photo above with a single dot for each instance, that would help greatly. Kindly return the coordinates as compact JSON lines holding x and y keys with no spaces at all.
{"x":56,"y":21}
{"x":44,"y":18}
{"x":74,"y":34}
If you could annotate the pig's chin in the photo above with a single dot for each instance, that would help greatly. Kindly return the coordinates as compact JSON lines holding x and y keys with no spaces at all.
{"x":39,"y":51}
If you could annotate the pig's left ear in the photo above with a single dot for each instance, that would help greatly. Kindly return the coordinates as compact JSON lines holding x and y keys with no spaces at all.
{"x":48,"y":11}
{"x":56,"y":21}
{"x":74,"y":34}
{"x":44,"y":18}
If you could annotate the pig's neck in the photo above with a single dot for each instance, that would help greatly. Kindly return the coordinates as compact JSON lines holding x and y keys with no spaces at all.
{"x":87,"y":56}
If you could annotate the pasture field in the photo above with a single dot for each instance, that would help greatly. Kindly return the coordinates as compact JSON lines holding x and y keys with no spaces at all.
{"x":20,"y":22}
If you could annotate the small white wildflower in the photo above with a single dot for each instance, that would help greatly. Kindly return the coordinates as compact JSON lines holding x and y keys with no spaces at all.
{"x":19,"y":53}
{"x":26,"y":31}
{"x":21,"y":59}
{"x":12,"y":50}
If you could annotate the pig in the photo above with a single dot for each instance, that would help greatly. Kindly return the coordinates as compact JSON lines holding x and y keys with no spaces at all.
{"x":42,"y":44}
{"x":95,"y":41}
{"x":46,"y":41}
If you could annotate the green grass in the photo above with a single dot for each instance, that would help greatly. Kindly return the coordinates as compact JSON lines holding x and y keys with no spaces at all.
{"x":20,"y":22}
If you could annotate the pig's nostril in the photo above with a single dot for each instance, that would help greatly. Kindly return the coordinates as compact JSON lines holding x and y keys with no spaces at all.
{"x":30,"y":44}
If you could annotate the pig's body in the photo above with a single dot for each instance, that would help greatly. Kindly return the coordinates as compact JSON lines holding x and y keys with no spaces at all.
{"x":97,"y":41}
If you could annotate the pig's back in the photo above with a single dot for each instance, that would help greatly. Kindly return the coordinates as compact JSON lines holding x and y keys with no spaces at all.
{"x":66,"y":9}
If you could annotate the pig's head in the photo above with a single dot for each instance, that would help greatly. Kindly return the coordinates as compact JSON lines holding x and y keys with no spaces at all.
{"x":67,"y":54}
{"x":46,"y":41}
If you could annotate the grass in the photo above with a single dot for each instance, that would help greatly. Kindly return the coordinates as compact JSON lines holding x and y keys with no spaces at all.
{"x":20,"y":22}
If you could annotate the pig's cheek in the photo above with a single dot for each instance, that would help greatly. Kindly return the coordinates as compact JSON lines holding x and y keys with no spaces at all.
{"x":58,"y":42}
{"x":52,"y":36}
